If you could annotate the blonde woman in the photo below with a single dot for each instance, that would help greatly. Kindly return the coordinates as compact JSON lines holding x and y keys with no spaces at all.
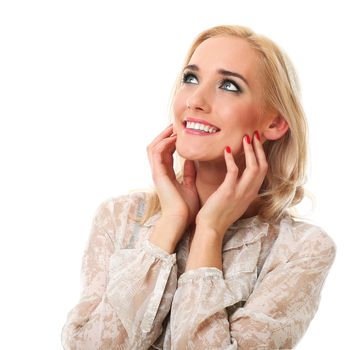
{"x":215,"y":257}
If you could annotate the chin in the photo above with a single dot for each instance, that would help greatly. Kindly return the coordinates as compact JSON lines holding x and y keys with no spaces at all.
{"x":192,"y":154}
{"x":187,"y":154}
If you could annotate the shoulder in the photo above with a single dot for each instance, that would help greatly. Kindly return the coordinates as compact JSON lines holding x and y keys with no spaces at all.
{"x":307,"y":239}
{"x":120,"y":208}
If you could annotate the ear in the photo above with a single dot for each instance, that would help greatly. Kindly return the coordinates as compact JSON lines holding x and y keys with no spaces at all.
{"x":275,"y":128}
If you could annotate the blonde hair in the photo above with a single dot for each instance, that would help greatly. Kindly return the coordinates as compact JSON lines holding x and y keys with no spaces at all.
{"x":287,"y":157}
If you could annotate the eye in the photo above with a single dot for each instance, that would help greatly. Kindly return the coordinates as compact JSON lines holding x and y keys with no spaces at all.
{"x":230,"y":82}
{"x":226,"y":82}
{"x":186,"y":75}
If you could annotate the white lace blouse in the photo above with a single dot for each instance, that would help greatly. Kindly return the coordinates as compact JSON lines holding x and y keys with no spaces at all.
{"x":136,"y":295}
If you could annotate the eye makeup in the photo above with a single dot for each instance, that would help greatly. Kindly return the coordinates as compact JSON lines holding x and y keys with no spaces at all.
{"x":188,"y":74}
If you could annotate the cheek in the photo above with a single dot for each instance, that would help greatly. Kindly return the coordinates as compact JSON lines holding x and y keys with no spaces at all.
{"x":240,"y":114}
{"x":179,"y":108}
{"x":176,"y":106}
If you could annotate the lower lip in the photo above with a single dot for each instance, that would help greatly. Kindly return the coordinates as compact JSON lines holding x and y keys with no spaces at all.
{"x":198,"y":132}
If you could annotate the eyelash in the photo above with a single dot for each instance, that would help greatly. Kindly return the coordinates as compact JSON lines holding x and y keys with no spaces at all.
{"x":186,"y":75}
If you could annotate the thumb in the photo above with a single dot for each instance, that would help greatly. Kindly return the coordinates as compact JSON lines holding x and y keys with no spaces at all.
{"x":189,"y":173}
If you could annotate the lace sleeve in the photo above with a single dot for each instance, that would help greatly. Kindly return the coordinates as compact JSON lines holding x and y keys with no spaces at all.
{"x":276,"y":314}
{"x":126,"y":293}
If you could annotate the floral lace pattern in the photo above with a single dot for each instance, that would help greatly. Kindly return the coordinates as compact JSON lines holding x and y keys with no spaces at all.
{"x":136,"y":296}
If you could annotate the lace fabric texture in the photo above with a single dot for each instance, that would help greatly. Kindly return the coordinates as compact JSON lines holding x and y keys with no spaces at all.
{"x":136,"y":296}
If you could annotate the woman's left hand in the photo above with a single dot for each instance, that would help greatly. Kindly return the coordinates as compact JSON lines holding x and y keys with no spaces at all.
{"x":232,"y":198}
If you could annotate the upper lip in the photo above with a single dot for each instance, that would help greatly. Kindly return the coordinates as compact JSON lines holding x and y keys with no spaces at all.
{"x":201,"y":121}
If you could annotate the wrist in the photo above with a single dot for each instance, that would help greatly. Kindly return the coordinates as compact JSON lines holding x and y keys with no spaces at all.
{"x":166,"y":234}
{"x":206,"y":249}
{"x":175,"y":221}
{"x":205,"y":229}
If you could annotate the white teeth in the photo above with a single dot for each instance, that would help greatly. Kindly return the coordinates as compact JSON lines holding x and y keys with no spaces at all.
{"x":202,"y":127}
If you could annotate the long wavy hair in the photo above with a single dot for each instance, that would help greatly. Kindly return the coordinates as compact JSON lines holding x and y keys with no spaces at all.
{"x":283,"y":186}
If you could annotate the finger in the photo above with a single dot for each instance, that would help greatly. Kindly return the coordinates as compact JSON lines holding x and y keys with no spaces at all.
{"x":166,"y":145}
{"x":254,"y":174}
{"x":165,"y":133}
{"x":160,"y":141}
{"x":232,"y":171}
{"x":260,"y":153}
{"x":250,"y":157}
{"x":161,"y":158}
{"x":189,"y":173}
{"x":252,"y":168}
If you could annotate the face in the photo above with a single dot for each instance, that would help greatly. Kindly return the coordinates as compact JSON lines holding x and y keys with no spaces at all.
{"x":230,"y":103}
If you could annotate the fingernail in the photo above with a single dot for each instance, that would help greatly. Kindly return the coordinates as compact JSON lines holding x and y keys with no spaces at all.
{"x":256,"y":132}
{"x":247,"y":138}
{"x":228,"y":149}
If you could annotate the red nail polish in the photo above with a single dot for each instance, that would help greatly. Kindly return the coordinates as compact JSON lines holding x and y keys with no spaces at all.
{"x":228,"y":149}
{"x":247,"y":138}
{"x":257,"y":134}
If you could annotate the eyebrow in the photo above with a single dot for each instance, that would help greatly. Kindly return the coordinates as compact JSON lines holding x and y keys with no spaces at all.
{"x":220,"y":71}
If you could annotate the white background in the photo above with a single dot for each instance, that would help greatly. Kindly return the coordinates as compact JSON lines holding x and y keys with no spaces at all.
{"x":85,"y":87}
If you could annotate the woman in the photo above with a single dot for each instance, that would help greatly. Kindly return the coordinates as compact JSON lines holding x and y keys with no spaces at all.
{"x":214,"y":257}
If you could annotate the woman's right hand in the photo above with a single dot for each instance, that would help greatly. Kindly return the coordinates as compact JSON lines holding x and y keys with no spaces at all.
{"x":179,"y":202}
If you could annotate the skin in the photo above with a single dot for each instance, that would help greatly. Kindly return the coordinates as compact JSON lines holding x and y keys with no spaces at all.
{"x":236,"y":114}
{"x":219,"y":187}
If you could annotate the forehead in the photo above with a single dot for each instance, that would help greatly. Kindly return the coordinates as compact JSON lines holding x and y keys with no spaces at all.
{"x":227,"y":52}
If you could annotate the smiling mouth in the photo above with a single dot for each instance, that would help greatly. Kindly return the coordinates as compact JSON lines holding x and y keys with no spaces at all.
{"x":200,"y":128}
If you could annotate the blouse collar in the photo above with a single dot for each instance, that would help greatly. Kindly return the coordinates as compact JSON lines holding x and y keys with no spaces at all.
{"x":241,"y":232}
{"x":245,"y":231}
{"x":246,"y":222}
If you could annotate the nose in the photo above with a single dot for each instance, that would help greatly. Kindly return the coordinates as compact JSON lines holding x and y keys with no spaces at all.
{"x":198,"y":99}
